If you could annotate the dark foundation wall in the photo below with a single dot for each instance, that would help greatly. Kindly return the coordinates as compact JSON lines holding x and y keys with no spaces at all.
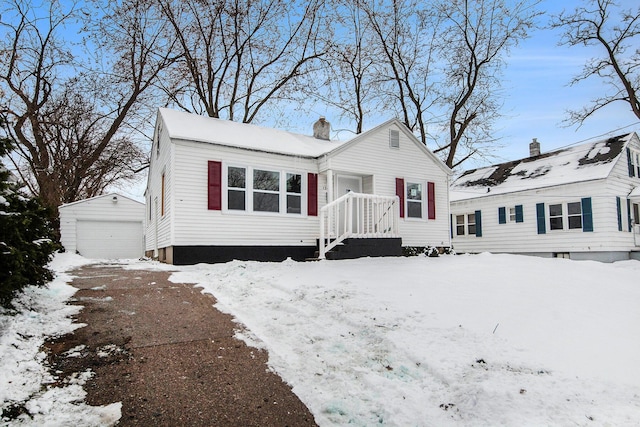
{"x":187,"y":255}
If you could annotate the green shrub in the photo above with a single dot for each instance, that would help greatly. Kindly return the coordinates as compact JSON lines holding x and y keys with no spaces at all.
{"x":26,"y":237}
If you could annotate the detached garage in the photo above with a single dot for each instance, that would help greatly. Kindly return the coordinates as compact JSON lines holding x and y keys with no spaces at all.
{"x":107,"y":226}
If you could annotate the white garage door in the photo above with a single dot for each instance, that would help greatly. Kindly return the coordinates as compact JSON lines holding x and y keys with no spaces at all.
{"x":109,"y":239}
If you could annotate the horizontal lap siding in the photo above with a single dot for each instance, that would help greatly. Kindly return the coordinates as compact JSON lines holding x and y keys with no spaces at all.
{"x":194,"y":224}
{"x":96,"y":209}
{"x":374,"y":157}
{"x":621,"y":184}
{"x":160,"y":163}
{"x":524,"y":238}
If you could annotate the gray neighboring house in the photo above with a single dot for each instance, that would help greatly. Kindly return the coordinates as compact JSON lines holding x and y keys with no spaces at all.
{"x":581,"y":202}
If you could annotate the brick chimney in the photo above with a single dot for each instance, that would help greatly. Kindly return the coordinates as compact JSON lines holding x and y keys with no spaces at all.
{"x":534,"y":148}
{"x":321,"y":129}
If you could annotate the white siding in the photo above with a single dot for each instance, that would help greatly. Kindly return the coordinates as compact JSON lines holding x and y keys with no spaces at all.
{"x":188,"y":222}
{"x":194,"y":224}
{"x":109,"y":239}
{"x":94,"y":211}
{"x":374,"y":157}
{"x":157,"y":224}
{"x":524,"y":238}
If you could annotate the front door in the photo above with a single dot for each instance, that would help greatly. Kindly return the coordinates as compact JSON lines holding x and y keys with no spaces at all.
{"x":346,"y":183}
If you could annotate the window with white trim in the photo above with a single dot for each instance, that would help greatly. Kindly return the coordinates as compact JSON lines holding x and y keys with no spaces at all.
{"x":555,"y":217}
{"x":263,"y":190}
{"x":574,"y":215}
{"x":466,"y":224}
{"x":512,"y":214}
{"x":565,"y":213}
{"x":460,"y":225}
{"x":294,"y":193}
{"x":266,"y":191}
{"x":414,"y":200}
{"x":236,"y":188}
{"x":471,"y":224}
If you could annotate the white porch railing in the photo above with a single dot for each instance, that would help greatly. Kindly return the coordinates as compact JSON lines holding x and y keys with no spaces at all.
{"x":636,"y":234}
{"x":358,"y":215}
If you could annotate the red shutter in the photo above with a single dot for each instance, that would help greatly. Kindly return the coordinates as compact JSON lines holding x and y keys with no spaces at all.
{"x":400,"y":194}
{"x":312,"y":194}
{"x":431,"y":199}
{"x":215,"y":186}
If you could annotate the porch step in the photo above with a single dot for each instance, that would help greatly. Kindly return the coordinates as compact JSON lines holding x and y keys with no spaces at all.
{"x":358,"y":248}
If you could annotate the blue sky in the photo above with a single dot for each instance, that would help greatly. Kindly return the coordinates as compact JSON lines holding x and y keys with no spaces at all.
{"x":536,"y":97}
{"x":537,"y":94}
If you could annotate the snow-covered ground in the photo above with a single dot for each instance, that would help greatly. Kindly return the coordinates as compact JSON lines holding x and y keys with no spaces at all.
{"x":24,"y":378}
{"x":454,"y":340}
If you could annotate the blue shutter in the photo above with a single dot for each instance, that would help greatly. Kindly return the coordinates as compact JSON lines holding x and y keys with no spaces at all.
{"x":519,"y":214}
{"x":478,"y":224}
{"x":542,"y":227}
{"x":632,"y":171}
{"x":619,"y":212}
{"x":629,"y":218}
{"x":587,"y":214}
{"x":502,"y":215}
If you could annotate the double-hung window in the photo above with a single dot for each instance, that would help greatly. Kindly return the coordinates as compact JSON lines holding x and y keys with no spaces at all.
{"x":466,"y":224}
{"x":414,"y":200}
{"x":236,"y":188}
{"x":262,"y":190}
{"x":574,"y":215}
{"x":294,"y":193}
{"x":471,"y":224}
{"x":266,"y":191}
{"x":555,"y":217}
{"x":460,"y":225}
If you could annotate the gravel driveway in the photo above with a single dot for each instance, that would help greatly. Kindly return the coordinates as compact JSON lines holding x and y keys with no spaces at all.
{"x":168,"y":355}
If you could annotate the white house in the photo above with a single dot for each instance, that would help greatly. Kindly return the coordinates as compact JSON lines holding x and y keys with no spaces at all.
{"x":580,"y":202}
{"x":220,"y":190}
{"x":107,"y":226}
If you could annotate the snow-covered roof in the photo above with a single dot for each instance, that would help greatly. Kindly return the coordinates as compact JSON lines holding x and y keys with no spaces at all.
{"x":193,"y":127}
{"x":110,"y":196}
{"x":585,"y":162}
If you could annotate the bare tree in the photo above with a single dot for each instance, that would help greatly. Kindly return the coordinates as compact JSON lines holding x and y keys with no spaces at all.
{"x":238,"y":56}
{"x":616,"y":32}
{"x":68,"y":117}
{"x":476,"y":35}
{"x":348,"y":80}
{"x":405,"y":32}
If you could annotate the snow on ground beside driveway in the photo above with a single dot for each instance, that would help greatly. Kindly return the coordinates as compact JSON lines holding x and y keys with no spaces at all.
{"x":24,"y":378}
{"x":454,"y":340}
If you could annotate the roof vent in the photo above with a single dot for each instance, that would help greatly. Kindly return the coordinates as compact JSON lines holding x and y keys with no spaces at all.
{"x":321,"y":129}
{"x":394,"y":138}
{"x":534,"y":148}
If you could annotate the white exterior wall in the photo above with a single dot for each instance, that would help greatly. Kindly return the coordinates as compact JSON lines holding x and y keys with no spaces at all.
{"x":523,"y":237}
{"x":158,"y":226}
{"x":97,"y":209}
{"x":194,"y":224}
{"x":188,"y":222}
{"x":374,"y":157}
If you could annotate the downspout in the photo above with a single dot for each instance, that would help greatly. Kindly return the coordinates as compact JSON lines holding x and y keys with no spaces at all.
{"x":449,"y":211}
